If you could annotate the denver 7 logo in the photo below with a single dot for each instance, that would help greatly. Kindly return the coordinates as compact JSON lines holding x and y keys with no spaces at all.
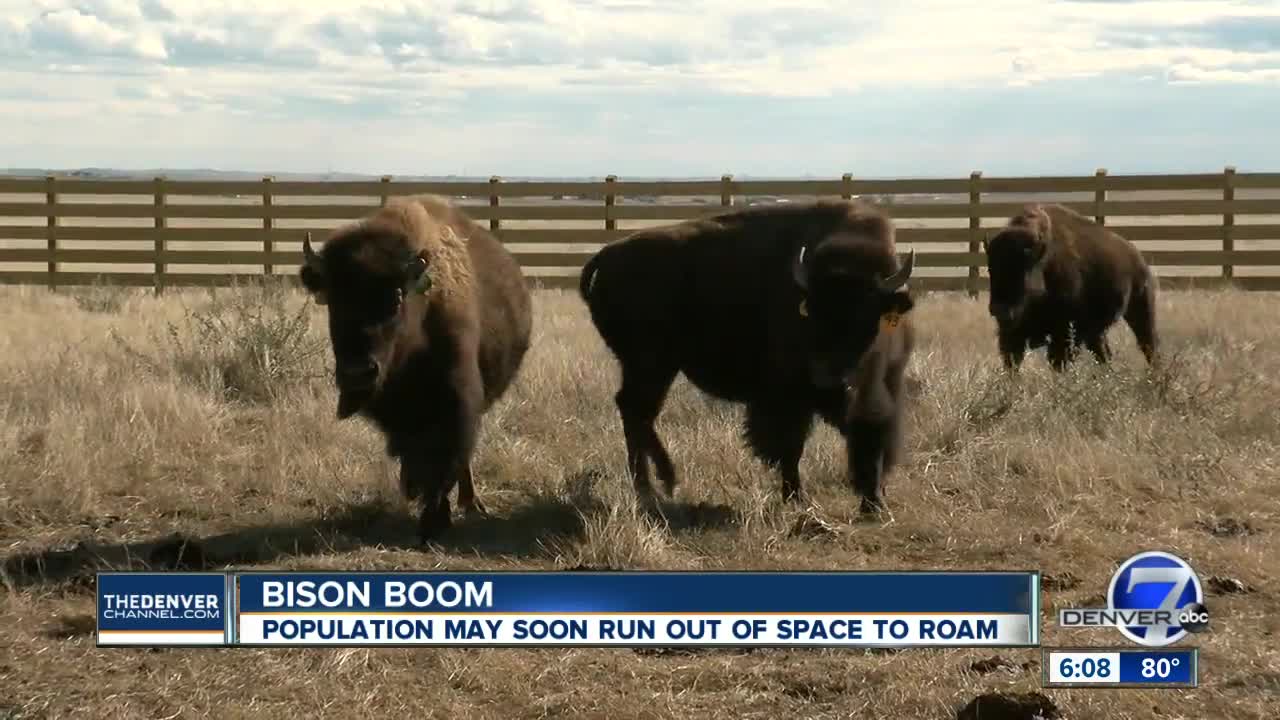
{"x":1155,"y":581}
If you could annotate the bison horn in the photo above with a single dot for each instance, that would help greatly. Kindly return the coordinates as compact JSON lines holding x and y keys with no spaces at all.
{"x":312,"y":271}
{"x":798,"y":271}
{"x":898,"y":279}
{"x":308,"y":254}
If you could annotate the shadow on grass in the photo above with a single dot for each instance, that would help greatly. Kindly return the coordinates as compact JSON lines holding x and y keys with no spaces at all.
{"x":679,"y":516}
{"x":536,"y":526}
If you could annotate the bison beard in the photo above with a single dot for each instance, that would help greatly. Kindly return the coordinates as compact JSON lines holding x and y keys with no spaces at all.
{"x":777,"y":308}
{"x":1060,"y":279}
{"x":429,"y":320}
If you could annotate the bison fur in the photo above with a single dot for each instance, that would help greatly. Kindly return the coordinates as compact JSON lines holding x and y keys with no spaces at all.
{"x":790,"y":310}
{"x":1060,"y":279}
{"x":429,"y":322}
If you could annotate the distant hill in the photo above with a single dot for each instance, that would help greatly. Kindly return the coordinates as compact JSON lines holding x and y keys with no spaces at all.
{"x":211,"y":174}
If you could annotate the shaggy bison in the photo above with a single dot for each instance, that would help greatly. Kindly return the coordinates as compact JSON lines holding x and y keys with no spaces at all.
{"x":429,"y":319}
{"x":790,"y":310}
{"x":1059,"y":278}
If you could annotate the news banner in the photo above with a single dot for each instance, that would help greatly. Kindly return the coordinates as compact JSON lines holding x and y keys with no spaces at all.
{"x":665,"y":609}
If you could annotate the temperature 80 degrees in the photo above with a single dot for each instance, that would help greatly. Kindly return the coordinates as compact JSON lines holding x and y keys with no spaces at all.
{"x":1160,"y":668}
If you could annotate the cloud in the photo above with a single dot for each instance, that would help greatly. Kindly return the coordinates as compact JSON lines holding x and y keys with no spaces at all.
{"x":71,"y":31}
{"x":770,"y":48}
{"x":1236,"y":34}
{"x":1188,"y":73}
{"x":496,"y":79}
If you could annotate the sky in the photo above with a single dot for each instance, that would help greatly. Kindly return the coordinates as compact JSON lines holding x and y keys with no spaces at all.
{"x":905,"y":88}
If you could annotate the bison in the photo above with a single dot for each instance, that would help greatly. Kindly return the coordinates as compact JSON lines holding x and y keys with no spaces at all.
{"x":790,"y":310}
{"x":429,"y":320}
{"x":1061,"y":279}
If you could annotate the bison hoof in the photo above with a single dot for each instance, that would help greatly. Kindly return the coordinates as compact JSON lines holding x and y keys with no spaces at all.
{"x":433,"y":522}
{"x":648,"y":501}
{"x":872,"y":506}
{"x":794,"y":496}
{"x":476,"y":509}
{"x":669,"y":487}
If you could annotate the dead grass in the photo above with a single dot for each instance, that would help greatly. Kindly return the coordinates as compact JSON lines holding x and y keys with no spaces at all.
{"x":114,"y":453}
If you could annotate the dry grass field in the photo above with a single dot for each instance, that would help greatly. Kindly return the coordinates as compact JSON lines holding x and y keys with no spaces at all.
{"x":141,"y":432}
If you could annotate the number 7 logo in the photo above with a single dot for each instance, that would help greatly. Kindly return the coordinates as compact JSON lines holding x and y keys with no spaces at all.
{"x":1179,"y":576}
{"x":1153,"y":568}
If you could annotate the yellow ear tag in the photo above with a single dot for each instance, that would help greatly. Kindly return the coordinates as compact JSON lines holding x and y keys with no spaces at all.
{"x":804,"y":308}
{"x":889,"y":321}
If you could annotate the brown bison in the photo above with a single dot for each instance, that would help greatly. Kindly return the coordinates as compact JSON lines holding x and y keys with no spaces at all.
{"x":790,"y":310}
{"x":1061,"y":279}
{"x":429,"y":319}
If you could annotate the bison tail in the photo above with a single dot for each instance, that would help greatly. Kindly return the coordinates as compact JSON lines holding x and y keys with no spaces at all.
{"x":587,"y":280}
{"x":1141,"y":315}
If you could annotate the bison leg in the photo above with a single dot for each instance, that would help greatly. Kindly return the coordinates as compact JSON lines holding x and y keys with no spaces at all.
{"x":639,"y":401}
{"x":1013,"y":347}
{"x":1099,"y":346}
{"x":871,"y":447}
{"x":1061,"y":349}
{"x":467,"y":499}
{"x":434,"y":480}
{"x":446,"y":452}
{"x":435,"y":518}
{"x":1141,"y":318}
{"x":777,"y":434}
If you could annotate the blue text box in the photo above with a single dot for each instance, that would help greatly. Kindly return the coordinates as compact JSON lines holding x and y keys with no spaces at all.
{"x":644,"y":592}
{"x":1159,"y":667}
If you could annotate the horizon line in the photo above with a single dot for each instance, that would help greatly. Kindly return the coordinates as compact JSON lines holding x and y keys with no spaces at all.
{"x":457,"y":177}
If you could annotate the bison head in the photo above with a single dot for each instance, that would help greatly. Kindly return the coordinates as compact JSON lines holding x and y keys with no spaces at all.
{"x":1015,"y":262}
{"x":848,"y":299}
{"x":365,"y":279}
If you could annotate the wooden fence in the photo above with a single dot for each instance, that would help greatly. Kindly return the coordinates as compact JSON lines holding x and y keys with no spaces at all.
{"x":1197,"y":229}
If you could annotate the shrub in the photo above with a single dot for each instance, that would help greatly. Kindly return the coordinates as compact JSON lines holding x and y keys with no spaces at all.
{"x":102,"y":297}
{"x":248,"y":343}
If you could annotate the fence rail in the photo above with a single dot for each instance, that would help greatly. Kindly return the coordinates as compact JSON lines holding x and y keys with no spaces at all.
{"x":170,"y":233}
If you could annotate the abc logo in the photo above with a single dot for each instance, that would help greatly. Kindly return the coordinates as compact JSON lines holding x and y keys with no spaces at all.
{"x":1194,"y":618}
{"x":1165,"y":584}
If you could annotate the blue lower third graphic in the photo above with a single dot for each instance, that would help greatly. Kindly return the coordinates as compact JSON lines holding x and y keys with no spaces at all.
{"x":1121,"y":667}
{"x":160,"y":609}
{"x":635,"y":609}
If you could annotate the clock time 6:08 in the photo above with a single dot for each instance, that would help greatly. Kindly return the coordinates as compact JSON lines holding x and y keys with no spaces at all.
{"x":1085,"y":667}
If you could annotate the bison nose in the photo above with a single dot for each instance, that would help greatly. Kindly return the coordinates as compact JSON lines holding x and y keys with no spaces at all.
{"x":1001,"y":312}
{"x":823,"y":375}
{"x":358,"y":372}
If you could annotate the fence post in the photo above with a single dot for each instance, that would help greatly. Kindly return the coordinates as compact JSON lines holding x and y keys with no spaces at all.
{"x":609,"y":222}
{"x":846,"y":189}
{"x":726,"y":190}
{"x":1228,"y":220}
{"x":494,"y":223}
{"x":975,"y":228}
{"x":268,"y":245}
{"x":1100,"y":196}
{"x":384,"y":191}
{"x":51,"y":234}
{"x":160,"y":224}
